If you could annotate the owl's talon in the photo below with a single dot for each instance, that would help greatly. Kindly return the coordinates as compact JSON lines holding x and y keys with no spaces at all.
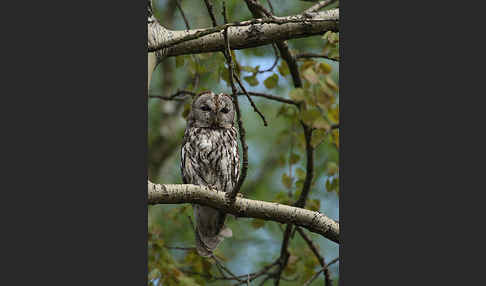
{"x":228,"y":200}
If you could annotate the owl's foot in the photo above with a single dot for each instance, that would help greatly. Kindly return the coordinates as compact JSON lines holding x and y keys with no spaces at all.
{"x":212,"y":187}
{"x":228,"y":200}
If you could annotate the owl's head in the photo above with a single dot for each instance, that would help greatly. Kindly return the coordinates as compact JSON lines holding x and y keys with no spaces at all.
{"x":212,"y":110}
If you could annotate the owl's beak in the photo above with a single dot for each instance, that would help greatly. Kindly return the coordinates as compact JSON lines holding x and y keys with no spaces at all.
{"x":215,"y":120}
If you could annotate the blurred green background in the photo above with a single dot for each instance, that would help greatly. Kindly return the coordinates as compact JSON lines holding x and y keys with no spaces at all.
{"x":276,"y":152}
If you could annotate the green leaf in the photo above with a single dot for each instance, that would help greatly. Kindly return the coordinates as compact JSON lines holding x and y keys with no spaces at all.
{"x":310,"y":115}
{"x":331,"y":84}
{"x":294,"y":158}
{"x":283,"y":68}
{"x":332,"y":168}
{"x":286,"y":180}
{"x":300,"y":173}
{"x":257,"y":223}
{"x":318,"y":137}
{"x":251,"y":80}
{"x":297,"y":94}
{"x":331,"y":37}
{"x":321,"y":123}
{"x":271,"y":81}
{"x":299,"y":184}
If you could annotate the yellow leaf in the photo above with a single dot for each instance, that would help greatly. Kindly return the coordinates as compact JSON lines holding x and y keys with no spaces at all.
{"x":309,"y":116}
{"x":283,"y":68}
{"x":311,"y":76}
{"x":321,"y":123}
{"x":324,"y":68}
{"x":297,"y":94}
{"x":331,"y":83}
{"x":306,"y":65}
{"x":335,"y":135}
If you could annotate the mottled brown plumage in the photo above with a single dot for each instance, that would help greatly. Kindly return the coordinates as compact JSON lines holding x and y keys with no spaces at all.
{"x":209,"y":157}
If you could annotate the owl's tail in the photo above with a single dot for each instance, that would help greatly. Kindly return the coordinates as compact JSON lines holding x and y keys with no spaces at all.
{"x":210,"y":229}
{"x":205,"y":245}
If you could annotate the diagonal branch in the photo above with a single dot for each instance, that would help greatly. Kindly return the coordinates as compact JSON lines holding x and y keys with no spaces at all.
{"x":313,"y":247}
{"x":259,"y":11}
{"x":187,"y":193}
{"x":316,"y":7}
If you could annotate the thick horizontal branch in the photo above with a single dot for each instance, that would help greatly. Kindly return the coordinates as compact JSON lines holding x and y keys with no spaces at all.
{"x":186,"y":193}
{"x":241,"y":35}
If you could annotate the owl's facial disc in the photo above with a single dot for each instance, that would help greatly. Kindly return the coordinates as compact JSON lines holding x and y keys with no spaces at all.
{"x":214,"y":111}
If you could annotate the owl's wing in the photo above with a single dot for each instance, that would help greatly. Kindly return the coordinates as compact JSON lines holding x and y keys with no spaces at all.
{"x":190,"y":166}
{"x":236,"y":162}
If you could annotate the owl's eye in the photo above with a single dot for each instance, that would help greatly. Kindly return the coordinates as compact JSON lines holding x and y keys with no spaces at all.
{"x":205,"y":108}
{"x":225,"y":110}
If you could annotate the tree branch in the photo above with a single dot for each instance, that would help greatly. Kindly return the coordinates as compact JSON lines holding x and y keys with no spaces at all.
{"x":187,"y":193}
{"x":313,"y":247}
{"x":241,"y":35}
{"x":316,"y":7}
{"x":312,"y":55}
{"x":259,"y":11}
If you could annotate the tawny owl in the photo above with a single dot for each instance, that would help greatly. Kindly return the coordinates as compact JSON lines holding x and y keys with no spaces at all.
{"x":209,"y":157}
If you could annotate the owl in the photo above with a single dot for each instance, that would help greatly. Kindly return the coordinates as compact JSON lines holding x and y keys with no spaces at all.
{"x":210,"y":157}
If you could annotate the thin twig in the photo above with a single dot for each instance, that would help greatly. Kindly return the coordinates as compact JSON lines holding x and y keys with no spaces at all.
{"x":190,"y":221}
{"x":312,"y":246}
{"x":277,"y":57}
{"x":165,"y":97}
{"x":195,"y":82}
{"x":255,"y":275}
{"x":312,"y":55}
{"x":173,"y":96}
{"x":271,"y":6}
{"x":229,"y":61}
{"x":316,"y":7}
{"x":209,"y":6}
{"x":258,"y":94}
{"x":300,"y":202}
{"x":265,"y":280}
{"x":259,"y":11}
{"x":309,"y":167}
{"x":180,"y":248}
{"x":220,"y":265}
{"x":251,"y":101}
{"x":271,"y":97}
{"x":183,"y":14}
{"x":308,"y":282}
{"x":284,"y":254}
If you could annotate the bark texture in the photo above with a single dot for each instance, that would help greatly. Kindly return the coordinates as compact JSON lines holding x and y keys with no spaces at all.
{"x":241,"y":35}
{"x":186,"y":193}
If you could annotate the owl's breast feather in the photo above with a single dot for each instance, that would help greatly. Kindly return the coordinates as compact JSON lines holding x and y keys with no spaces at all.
{"x":205,"y":144}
